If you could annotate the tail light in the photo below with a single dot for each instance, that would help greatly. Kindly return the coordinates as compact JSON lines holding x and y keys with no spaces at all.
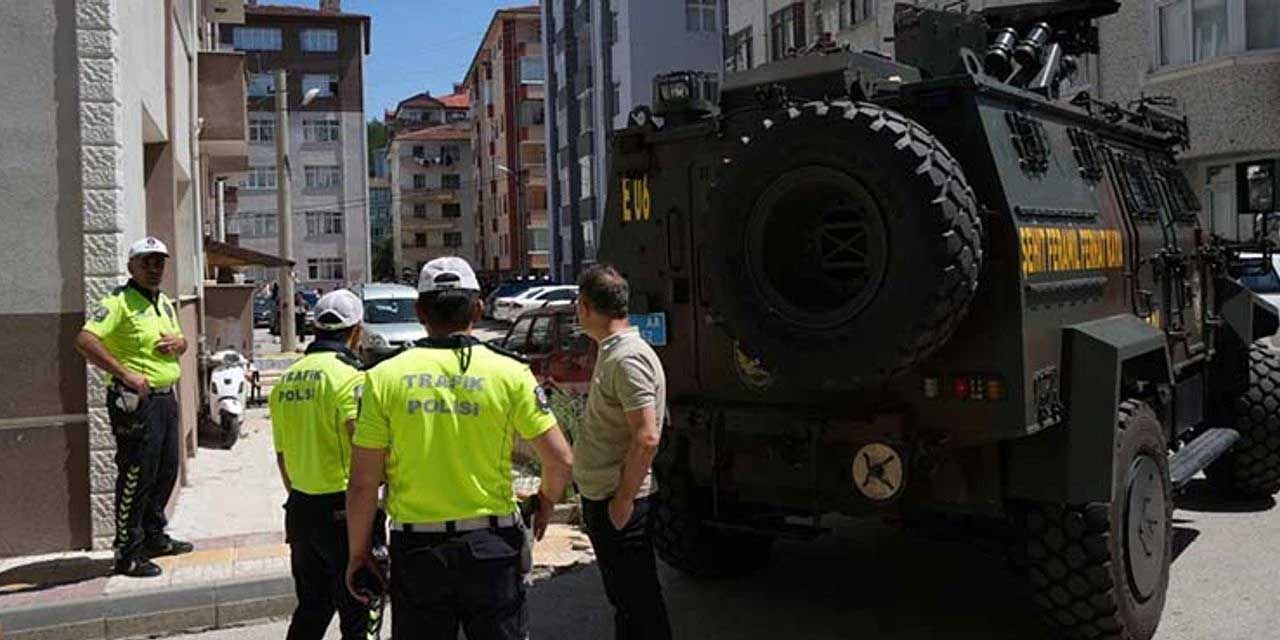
{"x":969,"y":388}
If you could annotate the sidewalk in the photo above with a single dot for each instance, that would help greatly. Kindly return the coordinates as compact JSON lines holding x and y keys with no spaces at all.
{"x":239,"y":572}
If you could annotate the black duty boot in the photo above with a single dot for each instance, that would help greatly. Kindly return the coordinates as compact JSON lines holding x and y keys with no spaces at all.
{"x":139,"y":567}
{"x":166,"y":546}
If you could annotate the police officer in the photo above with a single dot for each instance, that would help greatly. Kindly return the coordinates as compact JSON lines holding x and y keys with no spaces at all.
{"x":438,"y":422}
{"x":134,"y":336}
{"x":313,"y":413}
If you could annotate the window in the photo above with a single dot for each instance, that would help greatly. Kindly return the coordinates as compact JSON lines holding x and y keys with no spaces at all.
{"x":319,"y":39}
{"x":257,"y":39}
{"x":532,"y":70}
{"x":532,"y":113}
{"x":419,"y":239}
{"x":740,"y":51}
{"x":518,"y":338}
{"x":700,"y":15}
{"x":1262,"y":24}
{"x":540,"y":335}
{"x":571,"y":336}
{"x":451,"y":181}
{"x":615,"y":100}
{"x":613,"y":27}
{"x":419,"y":210}
{"x":453,"y":239}
{"x":586,"y":108}
{"x":540,"y":240}
{"x":786,"y":31}
{"x":259,"y":178}
{"x":450,"y":153}
{"x":419,"y":151}
{"x":419,"y":181}
{"x":324,"y":177}
{"x":320,"y":130}
{"x":455,"y":116}
{"x":262,"y":84}
{"x":451,"y":210}
{"x":584,"y":175}
{"x":327,"y":83}
{"x":1191,"y":31}
{"x":254,"y":225}
{"x":262,"y":129}
{"x":1256,"y":186}
{"x":325,"y":269}
{"x":324,"y":223}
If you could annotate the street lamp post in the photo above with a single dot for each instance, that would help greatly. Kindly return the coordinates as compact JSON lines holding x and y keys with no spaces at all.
{"x":521,"y":216}
{"x":284,"y":209}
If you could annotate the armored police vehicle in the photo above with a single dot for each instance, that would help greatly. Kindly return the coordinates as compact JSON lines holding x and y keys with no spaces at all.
{"x":942,"y":283}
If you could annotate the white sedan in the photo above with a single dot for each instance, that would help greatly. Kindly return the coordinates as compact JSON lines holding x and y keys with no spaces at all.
{"x":508,"y":309}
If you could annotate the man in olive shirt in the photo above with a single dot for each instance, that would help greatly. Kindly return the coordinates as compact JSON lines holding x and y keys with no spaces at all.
{"x":134,"y":336}
{"x":614,"y":453}
{"x":313,"y":414}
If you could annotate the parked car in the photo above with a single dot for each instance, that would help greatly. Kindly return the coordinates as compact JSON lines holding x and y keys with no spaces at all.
{"x":560,"y":354}
{"x":509,"y":309}
{"x":262,"y":312}
{"x":508,"y":289}
{"x":390,"y":320}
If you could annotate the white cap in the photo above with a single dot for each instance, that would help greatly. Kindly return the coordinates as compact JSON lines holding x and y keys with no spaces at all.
{"x":149,"y":244}
{"x":447,"y":274}
{"x":339,"y":309}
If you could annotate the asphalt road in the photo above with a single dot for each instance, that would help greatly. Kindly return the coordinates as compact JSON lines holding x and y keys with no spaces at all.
{"x":870,"y":580}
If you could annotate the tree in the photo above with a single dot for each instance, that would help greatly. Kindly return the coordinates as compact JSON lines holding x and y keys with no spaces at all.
{"x":384,"y":261}
{"x":377,"y":136}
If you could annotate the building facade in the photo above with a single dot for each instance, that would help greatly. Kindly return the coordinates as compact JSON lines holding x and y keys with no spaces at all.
{"x":100,"y":116}
{"x":761,"y":31}
{"x":379,"y":210}
{"x":323,"y":50}
{"x":425,"y":110}
{"x":601,"y":57}
{"x":432,"y":204}
{"x":1221,"y":61}
{"x":509,"y":178}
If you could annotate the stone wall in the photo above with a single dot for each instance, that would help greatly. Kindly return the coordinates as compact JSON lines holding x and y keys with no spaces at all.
{"x":102,"y":184}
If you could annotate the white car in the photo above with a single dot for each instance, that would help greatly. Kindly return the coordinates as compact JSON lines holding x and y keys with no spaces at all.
{"x":1265,"y":282}
{"x":508,"y":309}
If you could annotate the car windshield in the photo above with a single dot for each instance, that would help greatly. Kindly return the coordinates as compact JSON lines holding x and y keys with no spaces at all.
{"x":390,"y":311}
{"x":262,"y":304}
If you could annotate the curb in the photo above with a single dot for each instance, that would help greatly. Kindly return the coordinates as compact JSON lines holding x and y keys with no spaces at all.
{"x":165,"y":611}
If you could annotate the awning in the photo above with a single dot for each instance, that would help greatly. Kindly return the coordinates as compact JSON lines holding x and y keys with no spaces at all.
{"x":223,"y":255}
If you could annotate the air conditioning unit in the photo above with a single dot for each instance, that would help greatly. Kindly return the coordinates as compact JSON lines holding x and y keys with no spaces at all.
{"x":224,"y":11}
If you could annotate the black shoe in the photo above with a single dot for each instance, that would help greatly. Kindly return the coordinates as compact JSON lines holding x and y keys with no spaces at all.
{"x":167,"y":546}
{"x":138,"y":568}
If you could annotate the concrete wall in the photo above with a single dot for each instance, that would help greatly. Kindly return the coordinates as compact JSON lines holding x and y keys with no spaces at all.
{"x":44,"y":461}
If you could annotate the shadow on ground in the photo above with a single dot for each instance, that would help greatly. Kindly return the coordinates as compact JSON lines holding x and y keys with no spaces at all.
{"x":52,"y":573}
{"x":864,"y":581}
{"x":1198,"y":495}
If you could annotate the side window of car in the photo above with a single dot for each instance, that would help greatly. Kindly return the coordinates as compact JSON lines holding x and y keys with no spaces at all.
{"x":517,"y":338}
{"x":540,"y":335}
{"x":570,"y":333}
{"x":563,"y":294}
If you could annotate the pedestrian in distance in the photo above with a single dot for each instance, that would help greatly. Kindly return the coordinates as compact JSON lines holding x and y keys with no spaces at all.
{"x":438,"y":422}
{"x":134,"y":336}
{"x":313,"y":416}
{"x":614,"y":453}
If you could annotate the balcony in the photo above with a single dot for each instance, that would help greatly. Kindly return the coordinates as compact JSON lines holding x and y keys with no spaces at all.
{"x":533,"y":134}
{"x":431,"y":194}
{"x":225,"y":133}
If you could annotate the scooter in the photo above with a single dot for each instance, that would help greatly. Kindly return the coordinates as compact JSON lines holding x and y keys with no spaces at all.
{"x":229,"y":374}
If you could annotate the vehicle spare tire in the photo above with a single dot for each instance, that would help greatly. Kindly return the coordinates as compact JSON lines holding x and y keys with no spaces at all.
{"x":847,"y":241}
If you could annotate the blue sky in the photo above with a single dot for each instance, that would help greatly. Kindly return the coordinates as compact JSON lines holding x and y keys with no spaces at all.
{"x":418,"y":45}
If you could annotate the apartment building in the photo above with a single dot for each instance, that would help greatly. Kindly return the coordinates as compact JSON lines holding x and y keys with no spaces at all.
{"x":601,"y":57}
{"x":100,"y":118}
{"x":379,"y":210}
{"x":1221,"y":60}
{"x":426,"y":110}
{"x":321,"y":49}
{"x":432,"y":202}
{"x":509,"y":180}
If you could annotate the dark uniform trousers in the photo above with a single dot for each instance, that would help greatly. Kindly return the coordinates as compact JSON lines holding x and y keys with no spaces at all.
{"x":443,"y":581}
{"x":147,"y":457}
{"x":629,"y":570}
{"x":316,"y":529}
